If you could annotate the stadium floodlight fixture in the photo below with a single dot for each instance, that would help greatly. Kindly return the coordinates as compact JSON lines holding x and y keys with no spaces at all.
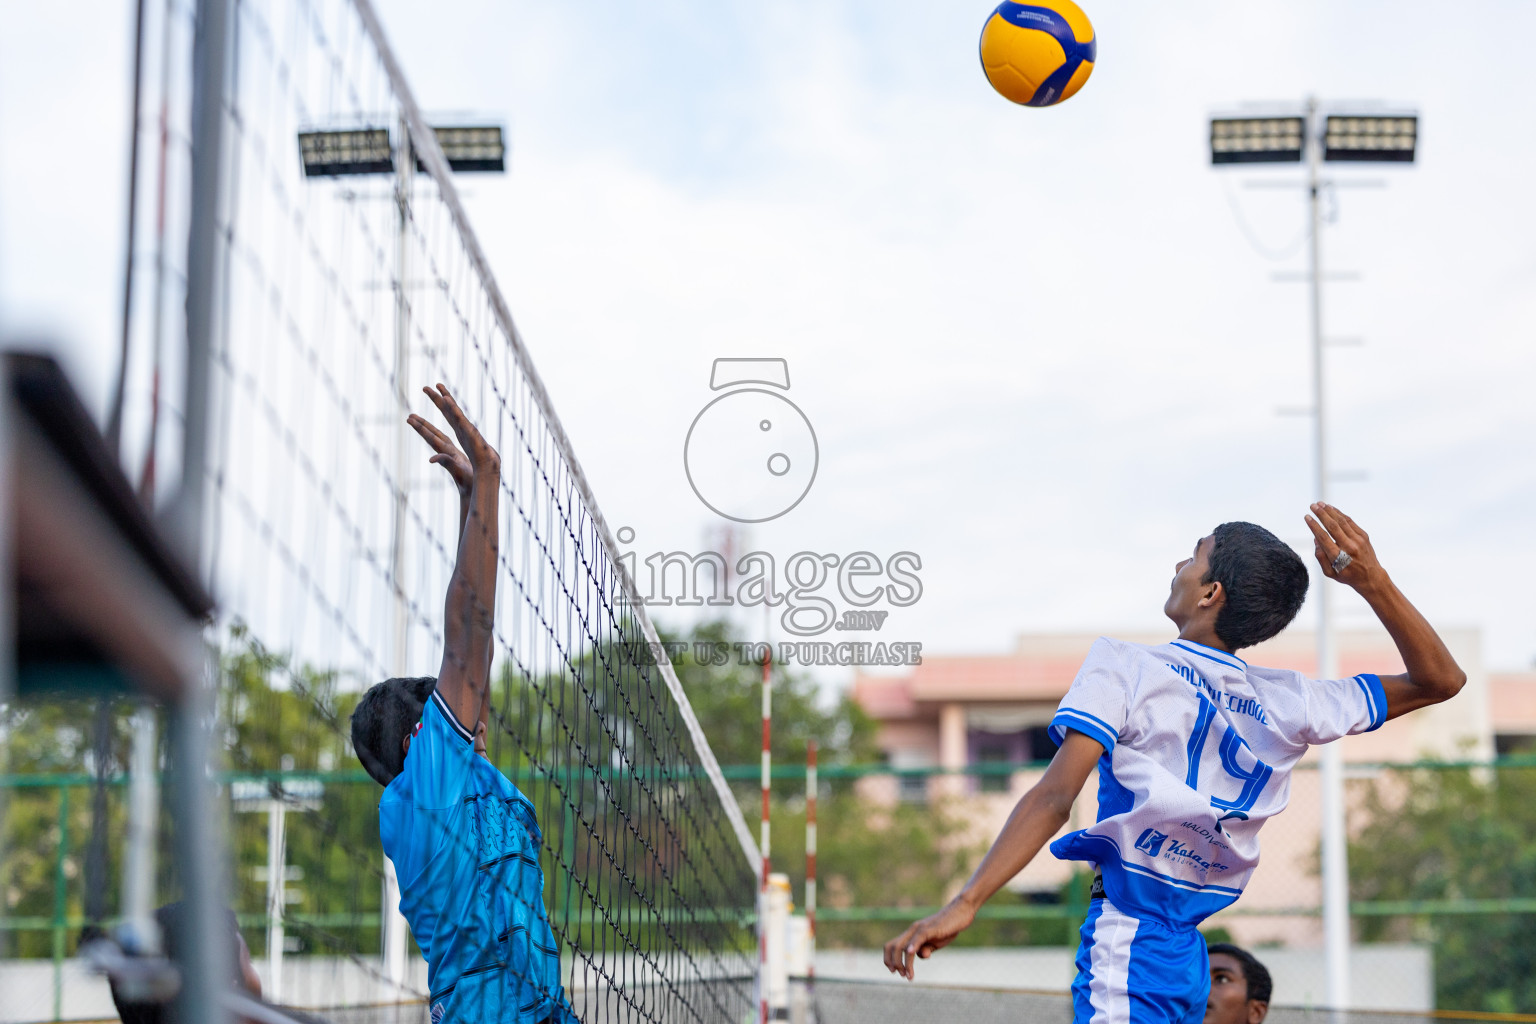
{"x":1371,"y":138}
{"x":471,"y":147}
{"x":1257,"y":140}
{"x":332,"y":154}
{"x":356,"y":151}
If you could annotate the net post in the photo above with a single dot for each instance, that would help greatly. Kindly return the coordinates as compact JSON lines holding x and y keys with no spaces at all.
{"x":60,"y":902}
{"x":776,"y":986}
{"x":140,"y":933}
{"x":392,"y":923}
{"x":767,"y":780}
{"x":204,"y":942}
{"x":810,"y":868}
{"x":277,"y":860}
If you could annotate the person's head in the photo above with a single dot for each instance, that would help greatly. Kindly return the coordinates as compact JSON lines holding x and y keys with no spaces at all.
{"x":242,"y":973}
{"x":1240,"y":987}
{"x":1242,"y":583}
{"x":383,"y":722}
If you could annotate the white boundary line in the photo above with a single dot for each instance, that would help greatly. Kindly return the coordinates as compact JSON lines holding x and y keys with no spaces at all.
{"x":425,"y":144}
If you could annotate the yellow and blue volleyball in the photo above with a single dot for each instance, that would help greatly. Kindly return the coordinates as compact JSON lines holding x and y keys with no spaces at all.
{"x":1038,"y":54}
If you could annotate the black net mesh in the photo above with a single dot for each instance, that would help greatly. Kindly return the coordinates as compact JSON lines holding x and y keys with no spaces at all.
{"x":331,"y":541}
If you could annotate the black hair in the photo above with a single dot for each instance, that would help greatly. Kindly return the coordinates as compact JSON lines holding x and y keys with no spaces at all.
{"x":383,"y":718}
{"x":1264,"y":579}
{"x":1254,"y":973}
{"x":168,"y":918}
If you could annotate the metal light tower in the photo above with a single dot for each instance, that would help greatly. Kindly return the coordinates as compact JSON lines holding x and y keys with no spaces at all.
{"x":1316,"y":138}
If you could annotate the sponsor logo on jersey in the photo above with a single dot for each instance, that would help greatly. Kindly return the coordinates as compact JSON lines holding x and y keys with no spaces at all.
{"x":1206,"y":834}
{"x":1151,"y":842}
{"x":438,"y":1009}
{"x":1177,"y":851}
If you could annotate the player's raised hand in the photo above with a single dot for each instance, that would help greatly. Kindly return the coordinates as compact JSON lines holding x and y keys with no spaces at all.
{"x":1342,"y":548}
{"x":482,"y":457}
{"x":922,"y":939}
{"x":447,"y":453}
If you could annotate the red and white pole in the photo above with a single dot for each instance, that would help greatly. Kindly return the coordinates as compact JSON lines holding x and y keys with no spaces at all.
{"x":810,"y":865}
{"x":762,"y":917}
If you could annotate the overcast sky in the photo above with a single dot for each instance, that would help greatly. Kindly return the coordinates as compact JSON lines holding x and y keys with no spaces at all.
{"x":1040,"y":348}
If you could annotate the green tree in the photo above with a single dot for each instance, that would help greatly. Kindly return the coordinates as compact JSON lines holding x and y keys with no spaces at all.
{"x":47,"y":825}
{"x":1456,"y":834}
{"x":279,"y":718}
{"x":728,"y":702}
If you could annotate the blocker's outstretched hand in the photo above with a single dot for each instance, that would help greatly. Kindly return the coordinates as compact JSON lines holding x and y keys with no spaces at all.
{"x":476,"y":455}
{"x":1337,"y":533}
{"x":469,"y":611}
{"x":448,"y":455}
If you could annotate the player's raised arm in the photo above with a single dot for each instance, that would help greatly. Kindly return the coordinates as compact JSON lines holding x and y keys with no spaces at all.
{"x":1039,"y":814}
{"x":1345,"y":553}
{"x":469,"y":612}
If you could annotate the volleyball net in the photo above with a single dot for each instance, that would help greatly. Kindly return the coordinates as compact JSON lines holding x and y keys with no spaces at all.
{"x":350,"y":276}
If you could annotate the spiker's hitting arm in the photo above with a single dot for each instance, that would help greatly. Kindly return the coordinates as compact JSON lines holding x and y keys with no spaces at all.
{"x":470,"y":607}
{"x":1433,"y":675}
{"x":1039,"y":814}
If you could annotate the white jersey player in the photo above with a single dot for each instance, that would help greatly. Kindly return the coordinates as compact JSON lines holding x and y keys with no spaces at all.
{"x":1194,"y":749}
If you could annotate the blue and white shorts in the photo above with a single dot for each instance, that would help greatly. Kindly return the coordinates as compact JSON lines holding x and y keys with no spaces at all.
{"x":1138,"y":971}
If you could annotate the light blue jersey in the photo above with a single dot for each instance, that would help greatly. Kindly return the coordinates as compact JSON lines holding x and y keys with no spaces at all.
{"x":465,"y":844}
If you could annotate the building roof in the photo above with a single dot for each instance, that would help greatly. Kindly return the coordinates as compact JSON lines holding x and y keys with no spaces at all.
{"x":1042,"y":665}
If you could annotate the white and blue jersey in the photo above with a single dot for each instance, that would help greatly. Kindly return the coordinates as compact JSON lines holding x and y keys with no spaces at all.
{"x":1198,"y":752}
{"x":465,"y":844}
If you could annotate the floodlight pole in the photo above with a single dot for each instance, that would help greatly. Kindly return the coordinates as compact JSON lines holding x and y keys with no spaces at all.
{"x":405,"y":166}
{"x":1335,"y":852}
{"x":474,"y":158}
{"x":140,"y":934}
{"x":204,"y":945}
{"x":277,"y":877}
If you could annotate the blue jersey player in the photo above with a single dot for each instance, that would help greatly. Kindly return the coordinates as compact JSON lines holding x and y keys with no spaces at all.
{"x":464,"y":841}
{"x":1194,"y":749}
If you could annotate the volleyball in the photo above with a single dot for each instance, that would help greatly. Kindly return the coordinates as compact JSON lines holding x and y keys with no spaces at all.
{"x":1038,"y":54}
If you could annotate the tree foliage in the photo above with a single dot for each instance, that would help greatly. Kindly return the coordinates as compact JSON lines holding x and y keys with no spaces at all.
{"x":1456,"y":834}
{"x":727,"y":700}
